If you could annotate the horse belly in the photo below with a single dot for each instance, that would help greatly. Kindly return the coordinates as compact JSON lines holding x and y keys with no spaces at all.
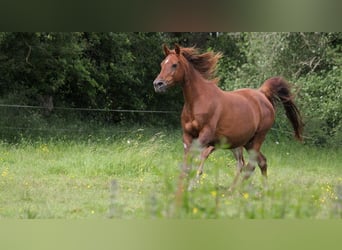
{"x":237,"y":127}
{"x":233,"y":139}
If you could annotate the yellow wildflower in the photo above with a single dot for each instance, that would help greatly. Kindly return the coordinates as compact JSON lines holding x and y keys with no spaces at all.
{"x":245,"y":195}
{"x":4,"y":172}
{"x":195,"y":210}
{"x":44,"y":148}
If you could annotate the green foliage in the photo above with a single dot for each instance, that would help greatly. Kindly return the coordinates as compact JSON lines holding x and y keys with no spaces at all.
{"x":99,"y":70}
{"x":116,"y":70}
{"x":320,"y":98}
{"x":38,"y":63}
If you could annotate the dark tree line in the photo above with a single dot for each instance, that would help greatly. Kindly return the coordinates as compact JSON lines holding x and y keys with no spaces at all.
{"x":116,"y":70}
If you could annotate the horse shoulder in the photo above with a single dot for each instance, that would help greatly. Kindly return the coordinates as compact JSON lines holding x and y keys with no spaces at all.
{"x":203,"y":115}
{"x":189,"y":125}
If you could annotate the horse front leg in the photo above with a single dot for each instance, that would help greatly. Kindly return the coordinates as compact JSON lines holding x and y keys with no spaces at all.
{"x":187,"y":143}
{"x":204,"y":155}
{"x":204,"y":138}
{"x":184,"y":171}
{"x":205,"y":152}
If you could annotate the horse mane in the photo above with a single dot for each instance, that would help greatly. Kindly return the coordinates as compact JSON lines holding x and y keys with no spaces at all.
{"x":205,"y":64}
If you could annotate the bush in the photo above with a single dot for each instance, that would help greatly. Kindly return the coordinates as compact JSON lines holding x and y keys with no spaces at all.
{"x":320,"y":98}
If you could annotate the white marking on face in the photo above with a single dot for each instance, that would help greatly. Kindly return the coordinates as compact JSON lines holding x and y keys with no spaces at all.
{"x":185,"y":146}
{"x":166,"y":60}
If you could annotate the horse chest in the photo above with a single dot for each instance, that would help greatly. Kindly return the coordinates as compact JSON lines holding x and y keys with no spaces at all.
{"x":194,"y":124}
{"x":192,"y":128}
{"x":198,"y":115}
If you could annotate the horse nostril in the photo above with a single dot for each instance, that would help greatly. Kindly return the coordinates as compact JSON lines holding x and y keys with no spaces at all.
{"x":158,"y":83}
{"x":159,"y":86}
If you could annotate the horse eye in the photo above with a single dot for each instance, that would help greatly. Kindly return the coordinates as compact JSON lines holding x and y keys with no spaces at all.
{"x":174,"y":65}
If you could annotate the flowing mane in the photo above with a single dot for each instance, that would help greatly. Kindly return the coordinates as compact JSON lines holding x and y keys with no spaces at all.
{"x":205,"y":64}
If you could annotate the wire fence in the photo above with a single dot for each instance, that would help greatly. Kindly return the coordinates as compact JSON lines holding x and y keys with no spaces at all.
{"x":92,"y":109}
{"x":27,"y":127}
{"x":23,"y":122}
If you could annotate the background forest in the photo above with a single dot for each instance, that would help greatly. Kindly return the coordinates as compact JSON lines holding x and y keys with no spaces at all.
{"x":55,"y":72}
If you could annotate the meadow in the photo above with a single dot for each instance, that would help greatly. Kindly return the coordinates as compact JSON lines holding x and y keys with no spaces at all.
{"x":132,"y":172}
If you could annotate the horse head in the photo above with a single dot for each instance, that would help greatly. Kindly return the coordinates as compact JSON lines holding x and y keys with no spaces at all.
{"x":172,"y":70}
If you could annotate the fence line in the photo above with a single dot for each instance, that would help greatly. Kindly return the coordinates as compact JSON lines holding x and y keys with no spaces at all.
{"x":91,"y":109}
{"x":76,"y":130}
{"x":98,"y":110}
{"x":80,"y":130}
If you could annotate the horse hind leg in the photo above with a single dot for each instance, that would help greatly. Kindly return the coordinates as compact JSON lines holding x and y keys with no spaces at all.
{"x":252,"y":162}
{"x":262,"y":162}
{"x":256,"y":158}
{"x":240,"y":163}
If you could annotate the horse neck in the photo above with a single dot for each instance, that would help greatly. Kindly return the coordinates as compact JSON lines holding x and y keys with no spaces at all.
{"x":194,"y":86}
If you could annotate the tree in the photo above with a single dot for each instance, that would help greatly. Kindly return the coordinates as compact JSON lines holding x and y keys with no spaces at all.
{"x":116,"y":70}
{"x":35,"y":66}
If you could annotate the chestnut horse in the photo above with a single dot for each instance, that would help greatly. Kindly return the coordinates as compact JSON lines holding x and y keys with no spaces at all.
{"x":240,"y":118}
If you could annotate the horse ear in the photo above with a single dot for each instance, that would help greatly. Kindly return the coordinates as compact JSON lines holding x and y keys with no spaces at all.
{"x":166,"y":49}
{"x":177,"y":48}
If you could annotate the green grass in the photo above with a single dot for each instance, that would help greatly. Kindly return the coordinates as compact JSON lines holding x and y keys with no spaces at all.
{"x":134,"y":174}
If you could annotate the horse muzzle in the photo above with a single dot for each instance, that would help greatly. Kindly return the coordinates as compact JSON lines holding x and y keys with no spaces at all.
{"x":160,"y":86}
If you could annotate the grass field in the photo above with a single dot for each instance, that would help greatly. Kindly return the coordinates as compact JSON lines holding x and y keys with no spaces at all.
{"x":133,"y":173}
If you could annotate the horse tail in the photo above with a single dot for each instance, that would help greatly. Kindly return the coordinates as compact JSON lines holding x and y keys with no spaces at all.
{"x":276,"y":89}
